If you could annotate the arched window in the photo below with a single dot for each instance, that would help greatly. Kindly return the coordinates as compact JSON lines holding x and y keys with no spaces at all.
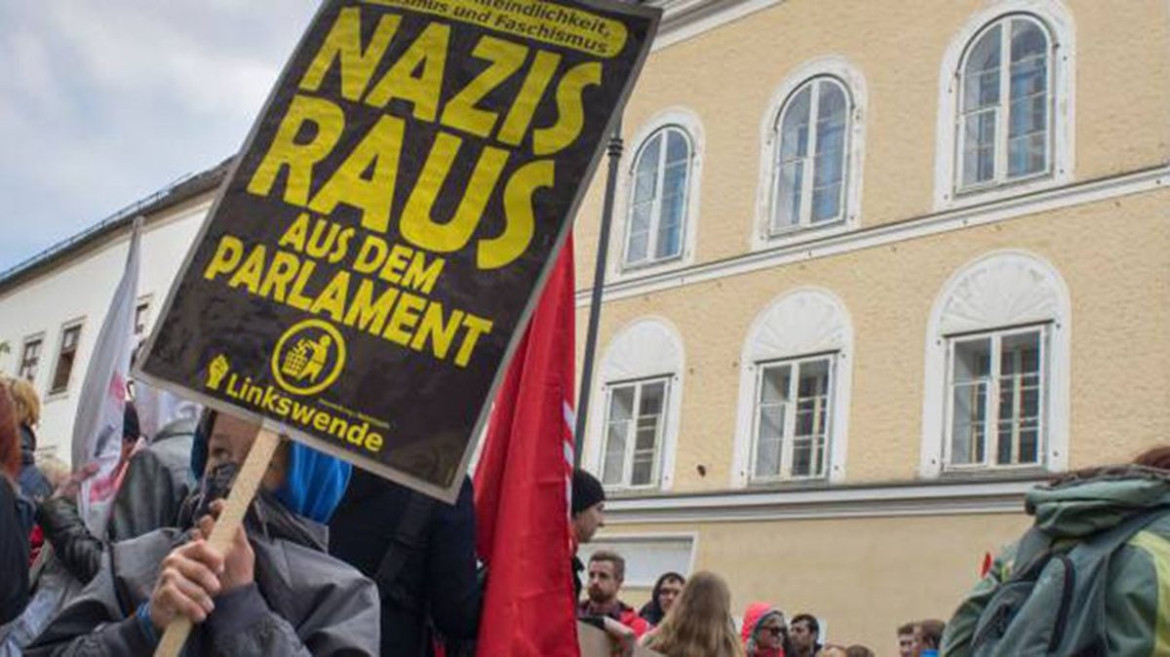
{"x":811,"y":156}
{"x":659,"y":197}
{"x":1005,"y":109}
{"x":996,"y":372}
{"x":794,"y":391}
{"x":640,"y":386}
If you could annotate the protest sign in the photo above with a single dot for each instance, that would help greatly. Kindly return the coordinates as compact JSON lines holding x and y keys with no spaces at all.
{"x":596,"y":643}
{"x":370,"y":261}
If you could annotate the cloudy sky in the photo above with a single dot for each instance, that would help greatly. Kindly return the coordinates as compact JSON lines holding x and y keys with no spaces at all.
{"x":102,"y":103}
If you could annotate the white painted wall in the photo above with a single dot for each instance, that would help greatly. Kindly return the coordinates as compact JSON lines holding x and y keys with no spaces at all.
{"x":82,"y":287}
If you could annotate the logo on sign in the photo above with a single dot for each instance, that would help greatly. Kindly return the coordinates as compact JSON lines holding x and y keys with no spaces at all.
{"x":309,"y":357}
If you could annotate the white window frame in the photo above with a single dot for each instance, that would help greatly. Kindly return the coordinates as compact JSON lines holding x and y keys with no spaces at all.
{"x":991,"y":429}
{"x":55,"y":393}
{"x":648,"y":347}
{"x":147,"y":302}
{"x":39,"y":339}
{"x":804,"y":221}
{"x":997,"y":291}
{"x":1000,"y":162}
{"x":1057,"y":22}
{"x":678,"y":118}
{"x":805,"y":322}
{"x":656,"y":205}
{"x":788,"y":435}
{"x":631,"y":436}
{"x":849,"y":76}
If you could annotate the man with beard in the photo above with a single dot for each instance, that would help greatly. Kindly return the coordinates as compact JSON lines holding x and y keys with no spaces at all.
{"x":607,"y":571}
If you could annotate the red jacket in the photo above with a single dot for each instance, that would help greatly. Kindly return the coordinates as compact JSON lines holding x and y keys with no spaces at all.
{"x":622,"y":613}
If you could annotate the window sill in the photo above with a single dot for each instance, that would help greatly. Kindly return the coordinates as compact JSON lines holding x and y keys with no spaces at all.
{"x":626,"y":272}
{"x":54,"y":396}
{"x":799,"y":234}
{"x":626,"y":493}
{"x":995,"y":473}
{"x":955,"y":199}
{"x":778,"y":485}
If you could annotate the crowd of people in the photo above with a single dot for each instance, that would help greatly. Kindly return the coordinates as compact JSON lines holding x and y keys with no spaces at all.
{"x":693,"y":616}
{"x":400,"y":576}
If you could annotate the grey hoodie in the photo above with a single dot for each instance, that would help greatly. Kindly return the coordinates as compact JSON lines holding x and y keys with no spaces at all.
{"x":303,"y":601}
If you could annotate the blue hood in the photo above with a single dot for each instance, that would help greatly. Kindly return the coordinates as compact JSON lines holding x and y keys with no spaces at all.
{"x":313,"y":486}
{"x":314,"y":483}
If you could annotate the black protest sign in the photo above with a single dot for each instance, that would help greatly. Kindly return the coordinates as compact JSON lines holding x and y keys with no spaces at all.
{"x":371,"y":259}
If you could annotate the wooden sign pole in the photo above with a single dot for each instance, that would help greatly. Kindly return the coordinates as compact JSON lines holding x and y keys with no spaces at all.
{"x":238,"y":500}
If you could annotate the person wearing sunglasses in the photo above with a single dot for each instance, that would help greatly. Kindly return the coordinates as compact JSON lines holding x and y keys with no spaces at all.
{"x":765,"y":631}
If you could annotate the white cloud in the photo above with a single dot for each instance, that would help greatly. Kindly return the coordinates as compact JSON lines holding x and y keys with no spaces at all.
{"x":104,"y":103}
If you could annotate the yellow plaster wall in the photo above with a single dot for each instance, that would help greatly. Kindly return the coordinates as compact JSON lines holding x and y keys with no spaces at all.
{"x":728,"y":75}
{"x":864,"y":576}
{"x":1111,"y":255}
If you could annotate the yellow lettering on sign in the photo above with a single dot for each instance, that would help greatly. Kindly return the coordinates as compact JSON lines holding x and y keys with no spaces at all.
{"x":373,"y":195}
{"x":420,"y":227}
{"x":571,"y":109}
{"x":327,"y":119}
{"x":343,"y":44}
{"x":461,"y":112}
{"x":521,"y":220}
{"x":226,"y":259}
{"x":417,"y":76}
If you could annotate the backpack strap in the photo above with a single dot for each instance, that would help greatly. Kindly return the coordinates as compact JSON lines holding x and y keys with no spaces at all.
{"x":1032,"y":553}
{"x":409,"y":538}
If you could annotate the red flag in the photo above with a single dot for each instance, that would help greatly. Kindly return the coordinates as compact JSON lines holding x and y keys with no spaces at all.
{"x":522,"y":488}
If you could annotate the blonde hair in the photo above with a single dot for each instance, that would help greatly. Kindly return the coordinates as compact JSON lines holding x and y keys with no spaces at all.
{"x":28,"y":403}
{"x":54,"y":469}
{"x":699,"y":624}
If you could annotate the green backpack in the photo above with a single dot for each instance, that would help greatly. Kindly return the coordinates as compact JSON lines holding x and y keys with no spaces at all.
{"x":1054,"y":601}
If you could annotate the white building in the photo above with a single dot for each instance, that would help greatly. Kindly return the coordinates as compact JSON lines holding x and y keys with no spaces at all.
{"x":53,"y":305}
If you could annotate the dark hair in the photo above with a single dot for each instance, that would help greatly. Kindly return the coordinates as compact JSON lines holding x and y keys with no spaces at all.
{"x":906,"y":628}
{"x":858,"y":651}
{"x":1155,"y":457}
{"x":932,"y":630}
{"x":652,"y":611}
{"x":619,"y":564}
{"x":813,"y":625}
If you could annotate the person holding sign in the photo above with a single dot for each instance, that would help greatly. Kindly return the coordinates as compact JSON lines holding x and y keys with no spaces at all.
{"x":273,"y":591}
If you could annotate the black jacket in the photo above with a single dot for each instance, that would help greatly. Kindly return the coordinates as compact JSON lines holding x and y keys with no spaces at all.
{"x":437,"y":584}
{"x":13,"y":557}
{"x":152,"y":491}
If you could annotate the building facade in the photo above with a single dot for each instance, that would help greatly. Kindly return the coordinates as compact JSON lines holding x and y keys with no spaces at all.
{"x":874,"y":270}
{"x":53,"y":305}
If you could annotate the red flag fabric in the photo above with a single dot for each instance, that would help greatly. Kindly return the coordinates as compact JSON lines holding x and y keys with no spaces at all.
{"x":522,"y":488}
{"x":985,"y":567}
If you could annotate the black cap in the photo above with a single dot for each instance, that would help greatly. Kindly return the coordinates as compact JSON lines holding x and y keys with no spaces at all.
{"x":587,"y":491}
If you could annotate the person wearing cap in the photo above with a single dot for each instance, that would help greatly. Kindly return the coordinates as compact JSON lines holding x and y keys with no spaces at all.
{"x":588,"y":506}
{"x":588,"y":515}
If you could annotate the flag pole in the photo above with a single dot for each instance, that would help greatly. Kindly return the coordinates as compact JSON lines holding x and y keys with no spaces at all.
{"x":615,"y":154}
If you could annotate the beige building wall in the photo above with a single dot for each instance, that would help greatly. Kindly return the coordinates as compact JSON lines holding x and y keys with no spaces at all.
{"x":1102,"y":227}
{"x":864,"y":576}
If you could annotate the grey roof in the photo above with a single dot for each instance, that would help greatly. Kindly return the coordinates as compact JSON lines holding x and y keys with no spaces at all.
{"x":181,"y":190}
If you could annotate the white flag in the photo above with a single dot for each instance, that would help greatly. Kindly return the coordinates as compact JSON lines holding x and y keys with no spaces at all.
{"x":158,"y":408}
{"x":97,"y":430}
